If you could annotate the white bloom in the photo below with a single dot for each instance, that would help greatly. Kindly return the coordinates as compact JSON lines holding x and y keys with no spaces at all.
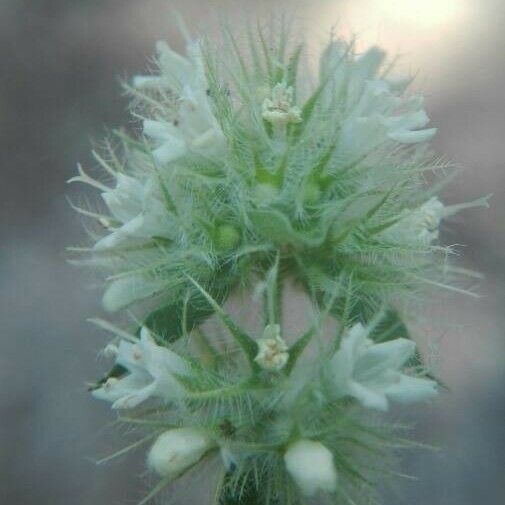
{"x":371,"y":372}
{"x":151,"y":373}
{"x":110,"y":351}
{"x":124,"y":291}
{"x":425,"y":221}
{"x":279,"y":109}
{"x":176,"y":450}
{"x":311,"y":466}
{"x":419,"y":226}
{"x":273,"y":350}
{"x":138,"y":211}
{"x":374,"y":107}
{"x":192,"y":125}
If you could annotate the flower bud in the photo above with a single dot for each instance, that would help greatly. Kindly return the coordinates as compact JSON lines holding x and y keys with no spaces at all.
{"x":311,"y":193}
{"x":279,"y":109}
{"x":176,"y":450}
{"x":272,"y":349}
{"x":227,"y":237}
{"x":311,"y":466}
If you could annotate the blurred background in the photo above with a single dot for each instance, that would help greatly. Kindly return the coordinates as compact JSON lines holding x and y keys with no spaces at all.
{"x":60,"y":64}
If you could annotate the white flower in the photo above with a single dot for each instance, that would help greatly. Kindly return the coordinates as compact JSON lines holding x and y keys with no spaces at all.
{"x":311,"y":466}
{"x":371,"y":372}
{"x":137,"y":210}
{"x":191,"y":126}
{"x":373,"y":107}
{"x":424,"y":222}
{"x":273,"y":350}
{"x":279,"y":109}
{"x":124,"y":291}
{"x":176,"y":450}
{"x":151,"y":373}
{"x":419,"y":226}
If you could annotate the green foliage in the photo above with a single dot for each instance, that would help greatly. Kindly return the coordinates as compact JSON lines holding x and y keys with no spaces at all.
{"x":174,"y":320}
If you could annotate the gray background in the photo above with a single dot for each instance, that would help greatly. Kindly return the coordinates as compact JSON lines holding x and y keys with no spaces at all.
{"x":59,"y":66}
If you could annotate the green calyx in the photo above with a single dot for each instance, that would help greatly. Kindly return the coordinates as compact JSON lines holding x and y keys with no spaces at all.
{"x":226,"y":237}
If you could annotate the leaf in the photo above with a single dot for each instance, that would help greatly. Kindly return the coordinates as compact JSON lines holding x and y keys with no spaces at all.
{"x":390,"y":327}
{"x":168,"y":322}
{"x":297,"y":348}
{"x":296,"y":130}
{"x":273,"y":301}
{"x":274,"y":226}
{"x":292,"y":67}
{"x":320,"y":166}
{"x":247,"y":344}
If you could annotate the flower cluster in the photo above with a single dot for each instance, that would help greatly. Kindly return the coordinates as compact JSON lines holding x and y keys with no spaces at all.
{"x":371,"y":372}
{"x":263,"y":416}
{"x":152,"y":371}
{"x":245,"y":176}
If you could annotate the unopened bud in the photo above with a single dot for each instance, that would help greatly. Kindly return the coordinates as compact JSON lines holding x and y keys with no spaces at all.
{"x":311,"y":466}
{"x":176,"y":450}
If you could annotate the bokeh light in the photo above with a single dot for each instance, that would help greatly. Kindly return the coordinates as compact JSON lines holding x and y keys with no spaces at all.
{"x":425,"y":34}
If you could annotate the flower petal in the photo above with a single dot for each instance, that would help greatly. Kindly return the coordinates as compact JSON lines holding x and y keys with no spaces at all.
{"x":122,"y":292}
{"x":135,"y":398}
{"x":387,"y":355}
{"x":114,"y":389}
{"x":158,"y":130}
{"x":412,"y":389}
{"x":176,"y":450}
{"x":311,"y":466}
{"x":124,"y":200}
{"x":412,"y":137}
{"x":169,"y":151}
{"x":368,"y":397}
